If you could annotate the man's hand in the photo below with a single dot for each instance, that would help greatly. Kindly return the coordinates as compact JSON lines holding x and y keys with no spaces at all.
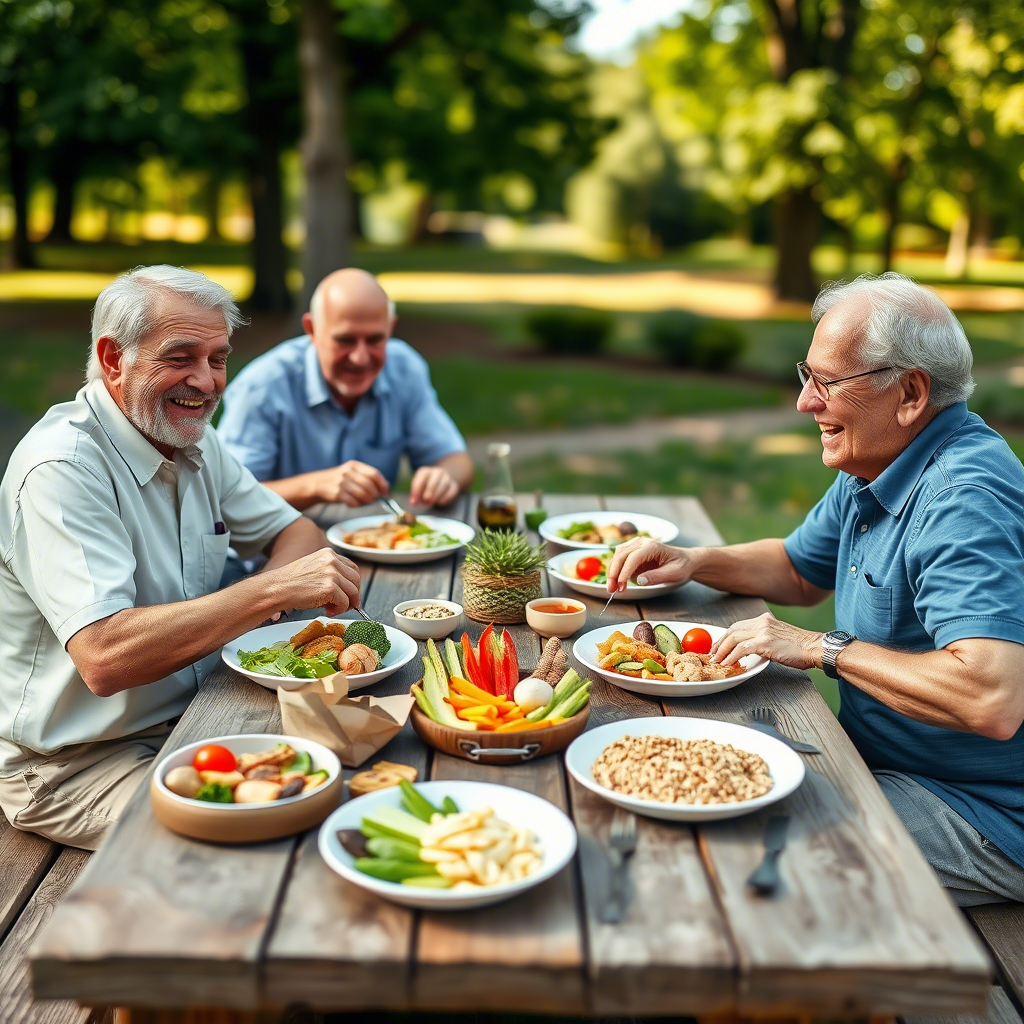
{"x":352,"y":483}
{"x":772,"y":639}
{"x":321,"y":579}
{"x":650,"y":559}
{"x":433,"y":485}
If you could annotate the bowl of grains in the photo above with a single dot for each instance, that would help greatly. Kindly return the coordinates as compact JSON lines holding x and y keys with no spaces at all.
{"x":427,"y":618}
{"x":684,"y":769}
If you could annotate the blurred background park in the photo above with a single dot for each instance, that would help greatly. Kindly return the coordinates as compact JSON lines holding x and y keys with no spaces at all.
{"x":625,"y":205}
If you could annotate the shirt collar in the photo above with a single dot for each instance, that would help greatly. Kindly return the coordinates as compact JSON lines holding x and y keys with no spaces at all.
{"x":138,"y":453}
{"x":894,"y":485}
{"x":317,"y":389}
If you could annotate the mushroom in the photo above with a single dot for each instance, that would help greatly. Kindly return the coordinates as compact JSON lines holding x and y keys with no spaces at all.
{"x":183,"y":780}
{"x":256,"y":791}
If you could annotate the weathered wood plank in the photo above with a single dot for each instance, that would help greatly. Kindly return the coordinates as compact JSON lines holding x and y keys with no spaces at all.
{"x":1001,"y":925}
{"x":999,"y":1011}
{"x":334,"y":944}
{"x":858,"y":898}
{"x":159,"y":920}
{"x":17,"y":1005}
{"x":24,"y":859}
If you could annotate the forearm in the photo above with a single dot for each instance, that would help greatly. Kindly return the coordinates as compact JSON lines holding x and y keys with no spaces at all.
{"x":761,"y":568}
{"x":459,"y":466}
{"x":300,"y":491}
{"x":298,"y":538}
{"x":138,"y":646}
{"x":951,"y":688}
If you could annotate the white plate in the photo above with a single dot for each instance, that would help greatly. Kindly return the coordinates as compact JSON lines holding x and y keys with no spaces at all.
{"x":785,"y":766}
{"x":585,"y":651}
{"x":554,"y":831}
{"x":462,"y":532}
{"x":563,"y":566}
{"x":403,"y":650}
{"x":658,"y":528}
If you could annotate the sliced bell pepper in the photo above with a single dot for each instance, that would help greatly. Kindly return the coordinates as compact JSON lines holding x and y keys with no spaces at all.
{"x":510,"y":665}
{"x":473,"y":670}
{"x":485,"y":656}
{"x":475,"y":693}
{"x":523,"y":726}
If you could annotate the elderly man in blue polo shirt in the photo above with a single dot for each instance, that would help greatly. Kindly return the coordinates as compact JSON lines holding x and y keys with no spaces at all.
{"x":921,"y":536}
{"x":328,"y":416}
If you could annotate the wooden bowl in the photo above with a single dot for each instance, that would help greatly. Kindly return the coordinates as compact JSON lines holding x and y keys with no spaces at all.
{"x":505,"y":748}
{"x":246,"y":823}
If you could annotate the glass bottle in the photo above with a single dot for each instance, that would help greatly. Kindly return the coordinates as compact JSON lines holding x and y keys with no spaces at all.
{"x":496,"y":509}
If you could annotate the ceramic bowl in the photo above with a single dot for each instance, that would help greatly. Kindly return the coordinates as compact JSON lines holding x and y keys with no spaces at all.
{"x":246,"y":823}
{"x":560,"y":624}
{"x":426,"y":629}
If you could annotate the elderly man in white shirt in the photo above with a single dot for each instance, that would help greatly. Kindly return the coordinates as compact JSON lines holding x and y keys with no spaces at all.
{"x":116,"y":513}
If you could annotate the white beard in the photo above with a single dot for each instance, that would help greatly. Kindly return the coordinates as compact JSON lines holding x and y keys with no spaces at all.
{"x":145,"y":409}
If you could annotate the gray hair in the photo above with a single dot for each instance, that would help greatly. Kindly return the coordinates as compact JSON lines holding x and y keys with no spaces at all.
{"x":909,"y":327}
{"x":124,"y":309}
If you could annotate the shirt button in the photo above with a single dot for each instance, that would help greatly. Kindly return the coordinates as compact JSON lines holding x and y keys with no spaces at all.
{"x":864,"y":528}
{"x":853,"y":570}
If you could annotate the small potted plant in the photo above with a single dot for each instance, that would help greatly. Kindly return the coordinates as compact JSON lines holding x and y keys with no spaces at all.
{"x":501,"y":572}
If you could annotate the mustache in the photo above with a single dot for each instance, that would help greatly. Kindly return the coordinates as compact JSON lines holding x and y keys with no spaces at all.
{"x":190,"y":394}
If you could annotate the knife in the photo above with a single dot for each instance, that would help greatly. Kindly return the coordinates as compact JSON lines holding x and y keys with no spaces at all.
{"x":769,"y":730}
{"x":765,"y":879}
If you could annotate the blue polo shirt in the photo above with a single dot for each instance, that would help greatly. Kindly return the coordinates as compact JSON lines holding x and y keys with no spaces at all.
{"x":280,"y":418}
{"x":930,"y":552}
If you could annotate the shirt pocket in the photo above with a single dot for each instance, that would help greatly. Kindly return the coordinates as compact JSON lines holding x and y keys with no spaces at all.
{"x":215,"y":555}
{"x":873,"y":611}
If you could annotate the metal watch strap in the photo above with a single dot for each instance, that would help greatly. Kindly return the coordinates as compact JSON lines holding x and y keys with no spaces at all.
{"x":831,"y":644}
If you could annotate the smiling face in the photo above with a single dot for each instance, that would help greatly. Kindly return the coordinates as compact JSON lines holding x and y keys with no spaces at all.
{"x":172,"y":388}
{"x":860,"y":430}
{"x":350,"y":328}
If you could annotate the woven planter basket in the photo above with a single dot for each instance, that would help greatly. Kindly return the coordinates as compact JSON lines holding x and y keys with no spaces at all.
{"x":497,"y":598}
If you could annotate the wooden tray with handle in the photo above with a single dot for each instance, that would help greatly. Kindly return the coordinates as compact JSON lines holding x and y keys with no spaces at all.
{"x":503,"y":748}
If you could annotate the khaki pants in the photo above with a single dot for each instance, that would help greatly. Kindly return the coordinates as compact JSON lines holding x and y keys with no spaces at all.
{"x":74,"y":795}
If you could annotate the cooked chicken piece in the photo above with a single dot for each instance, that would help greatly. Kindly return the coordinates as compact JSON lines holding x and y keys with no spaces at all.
{"x":278,"y":756}
{"x":310,"y":632}
{"x":327,"y":642}
{"x":383,"y":537}
{"x":266,"y":772}
{"x":335,"y":628}
{"x":610,"y":532}
{"x":685,"y":668}
{"x":358,"y":658}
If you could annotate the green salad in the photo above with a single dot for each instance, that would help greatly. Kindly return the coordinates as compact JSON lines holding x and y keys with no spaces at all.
{"x":280,"y":659}
{"x":427,"y":537}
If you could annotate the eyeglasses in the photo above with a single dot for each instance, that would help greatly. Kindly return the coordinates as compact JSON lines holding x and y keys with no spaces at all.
{"x":821,"y":386}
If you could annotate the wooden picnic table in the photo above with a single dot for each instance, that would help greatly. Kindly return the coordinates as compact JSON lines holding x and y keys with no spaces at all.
{"x":860,"y":927}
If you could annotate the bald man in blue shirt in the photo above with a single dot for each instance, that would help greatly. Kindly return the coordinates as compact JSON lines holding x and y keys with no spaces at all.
{"x":921,"y":537}
{"x":327,"y":416}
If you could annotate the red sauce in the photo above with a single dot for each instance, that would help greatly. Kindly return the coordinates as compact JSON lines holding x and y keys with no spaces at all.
{"x":555,"y":608}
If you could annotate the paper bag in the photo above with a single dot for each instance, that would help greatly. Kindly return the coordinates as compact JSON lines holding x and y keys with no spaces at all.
{"x":353,"y":727}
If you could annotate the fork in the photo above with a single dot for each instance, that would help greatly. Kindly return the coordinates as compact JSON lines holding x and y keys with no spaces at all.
{"x":405,"y":517}
{"x":621,"y":845}
{"x":765,"y":720}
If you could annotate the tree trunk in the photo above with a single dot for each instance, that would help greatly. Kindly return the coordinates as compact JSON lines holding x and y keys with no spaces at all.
{"x":211,"y":203}
{"x":956,"y":250}
{"x":65,"y":177}
{"x":325,"y":151}
{"x":263,"y":166}
{"x":797,"y":217}
{"x":22,"y":256}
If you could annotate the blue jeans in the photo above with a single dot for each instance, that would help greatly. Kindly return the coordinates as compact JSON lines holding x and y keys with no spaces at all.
{"x":972,"y":868}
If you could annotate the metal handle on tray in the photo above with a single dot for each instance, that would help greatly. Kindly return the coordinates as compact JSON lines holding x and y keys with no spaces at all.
{"x":478,"y":753}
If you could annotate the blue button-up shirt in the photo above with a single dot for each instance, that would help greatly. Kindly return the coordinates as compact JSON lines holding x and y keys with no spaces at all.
{"x":280,"y":418}
{"x":930,"y":552}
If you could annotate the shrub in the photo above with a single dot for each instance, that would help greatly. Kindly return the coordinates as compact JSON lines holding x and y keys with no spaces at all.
{"x":998,"y":400}
{"x":685,"y":339}
{"x":671,"y":335}
{"x":582,"y":332}
{"x":717,"y":344}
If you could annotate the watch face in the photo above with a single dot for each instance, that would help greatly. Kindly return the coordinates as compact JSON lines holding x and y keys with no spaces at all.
{"x":839,"y":636}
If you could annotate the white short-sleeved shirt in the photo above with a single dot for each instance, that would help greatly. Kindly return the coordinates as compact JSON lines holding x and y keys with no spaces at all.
{"x":93,"y":520}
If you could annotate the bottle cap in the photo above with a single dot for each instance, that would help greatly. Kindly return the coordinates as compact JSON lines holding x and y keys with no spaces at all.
{"x":499,"y":448}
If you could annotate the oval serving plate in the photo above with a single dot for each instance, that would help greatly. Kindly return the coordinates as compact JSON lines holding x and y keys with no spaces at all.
{"x":461,"y":532}
{"x":585,"y":651}
{"x":655,"y":526}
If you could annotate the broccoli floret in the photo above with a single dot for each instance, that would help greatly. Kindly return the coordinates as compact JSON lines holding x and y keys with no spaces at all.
{"x":216,"y":793}
{"x":370,"y":633}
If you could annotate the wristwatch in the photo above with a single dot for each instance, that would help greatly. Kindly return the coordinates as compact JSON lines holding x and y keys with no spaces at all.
{"x":831,"y":644}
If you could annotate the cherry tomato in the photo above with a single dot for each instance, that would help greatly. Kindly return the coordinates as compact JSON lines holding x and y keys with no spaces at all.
{"x":697,"y":641}
{"x":214,"y":759}
{"x":587,"y":568}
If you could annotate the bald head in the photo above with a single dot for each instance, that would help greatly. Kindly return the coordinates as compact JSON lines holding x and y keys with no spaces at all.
{"x":350,"y":291}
